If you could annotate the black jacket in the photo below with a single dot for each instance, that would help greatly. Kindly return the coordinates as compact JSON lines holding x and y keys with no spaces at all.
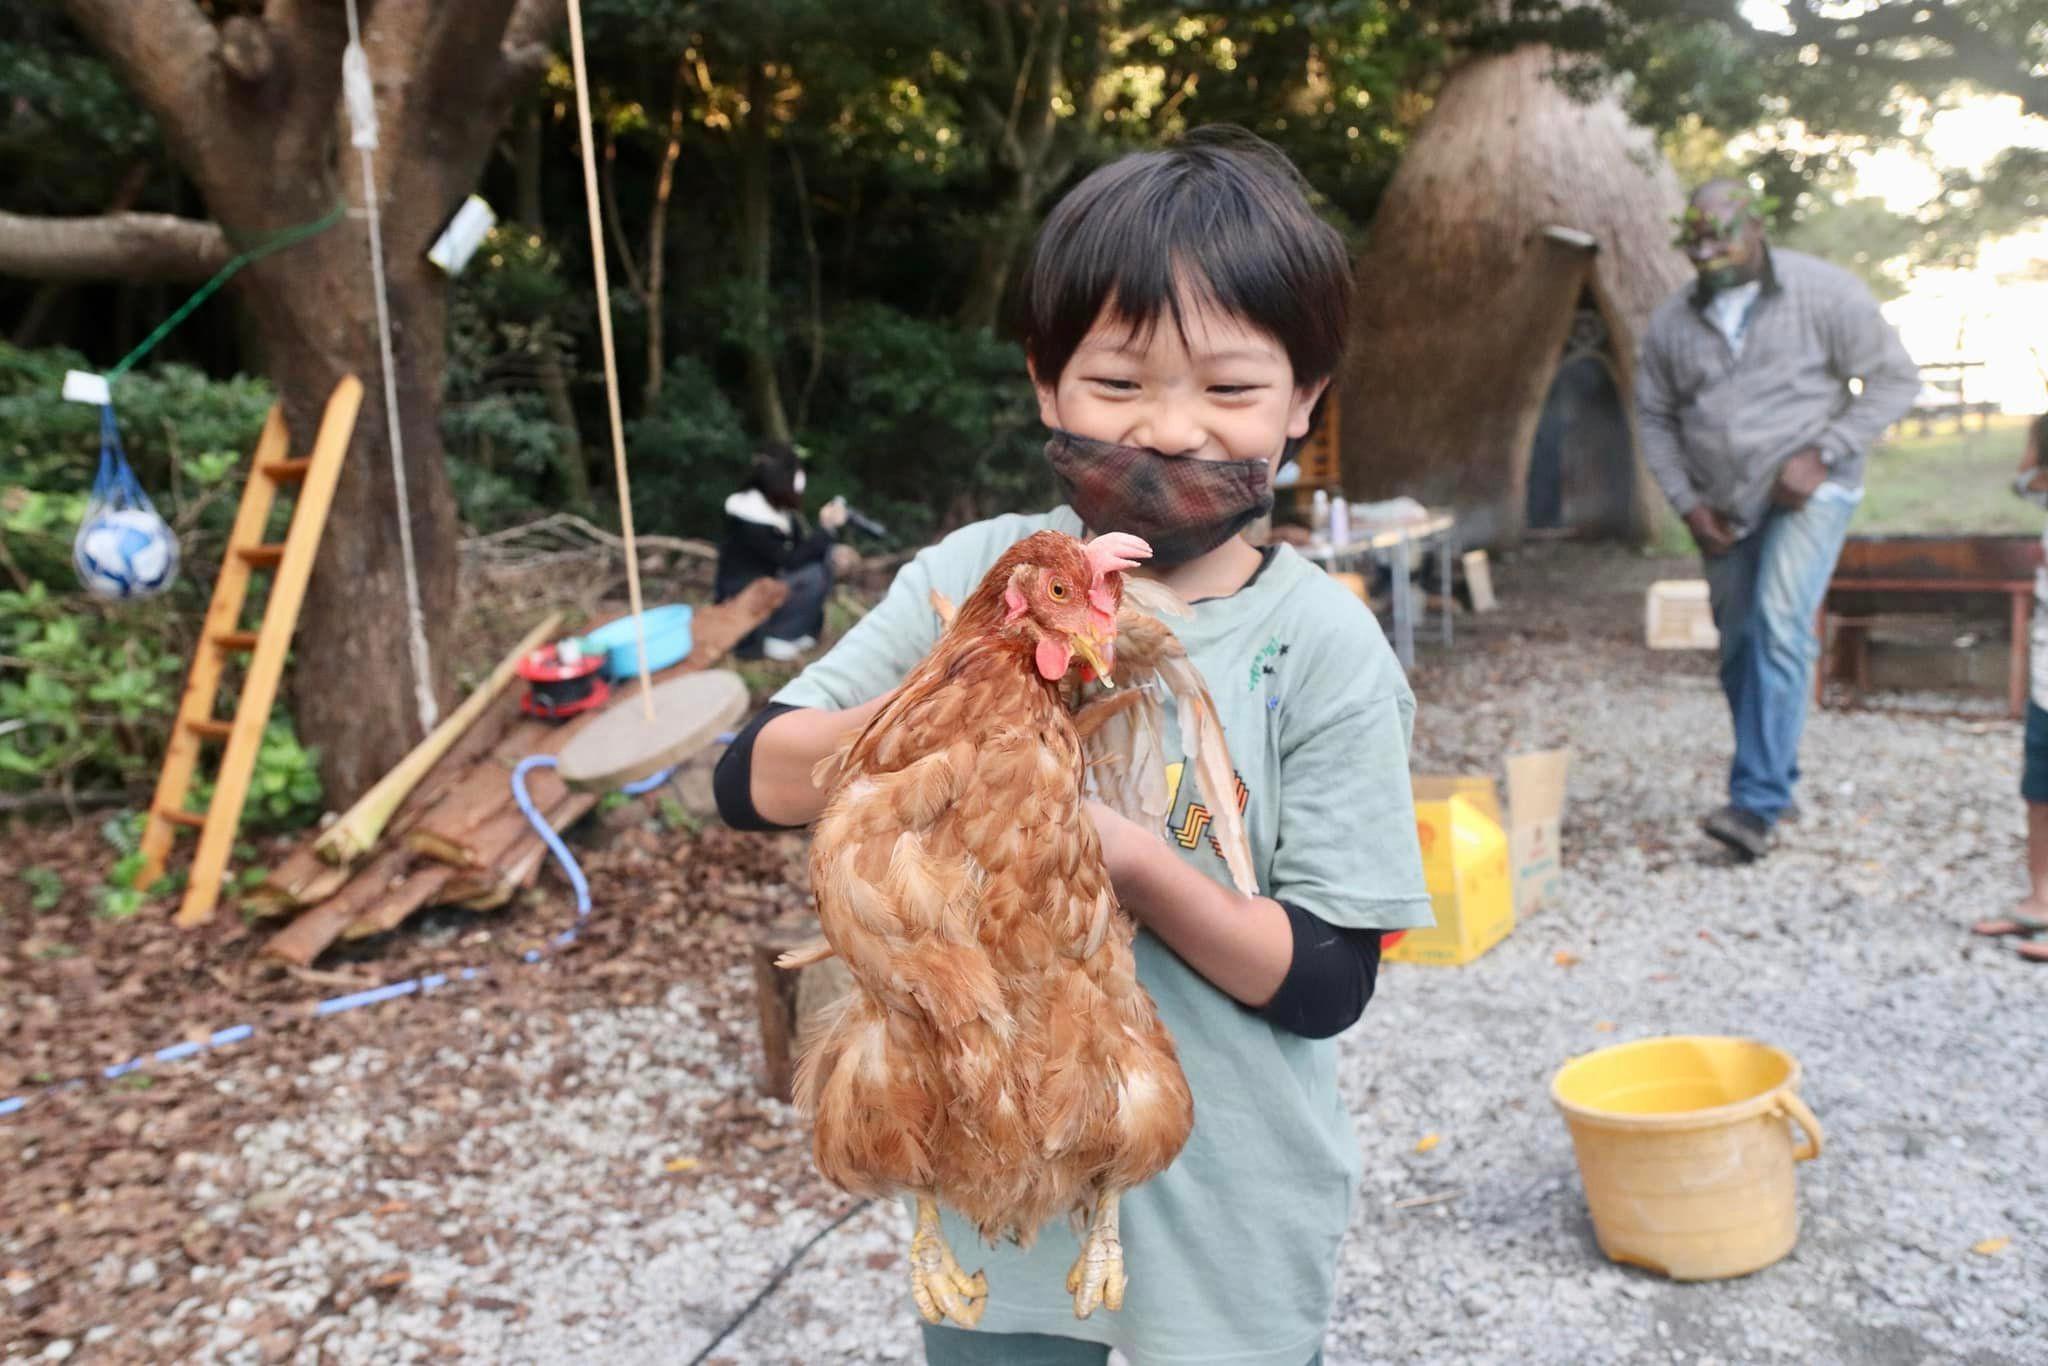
{"x":762,"y":541}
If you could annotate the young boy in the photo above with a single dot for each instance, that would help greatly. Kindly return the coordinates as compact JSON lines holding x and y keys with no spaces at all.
{"x":2030,"y":917}
{"x":1183,"y":311}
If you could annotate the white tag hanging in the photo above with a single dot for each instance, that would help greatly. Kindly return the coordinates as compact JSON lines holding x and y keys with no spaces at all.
{"x":360,"y":95}
{"x":463,"y":235}
{"x":83,"y":386}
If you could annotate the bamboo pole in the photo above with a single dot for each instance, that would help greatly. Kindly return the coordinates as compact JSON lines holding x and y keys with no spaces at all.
{"x":356,"y":832}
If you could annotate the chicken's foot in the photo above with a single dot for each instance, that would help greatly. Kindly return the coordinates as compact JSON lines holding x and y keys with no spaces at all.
{"x":1098,"y":1274}
{"x":942,"y":1290}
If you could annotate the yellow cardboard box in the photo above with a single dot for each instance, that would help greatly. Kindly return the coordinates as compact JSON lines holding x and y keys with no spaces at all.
{"x":1465,"y":864}
{"x":1471,"y":852}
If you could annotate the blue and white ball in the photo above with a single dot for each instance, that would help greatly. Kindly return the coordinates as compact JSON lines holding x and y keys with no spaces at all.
{"x":123,"y":553}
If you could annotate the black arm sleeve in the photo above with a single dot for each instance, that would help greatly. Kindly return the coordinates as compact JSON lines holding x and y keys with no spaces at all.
{"x":1329,"y":981}
{"x":815,"y":546}
{"x":732,"y":782}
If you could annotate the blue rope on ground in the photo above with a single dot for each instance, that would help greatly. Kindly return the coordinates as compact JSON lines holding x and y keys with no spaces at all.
{"x":415,"y":986}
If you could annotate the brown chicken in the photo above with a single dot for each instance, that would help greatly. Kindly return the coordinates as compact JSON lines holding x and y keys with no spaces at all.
{"x":1122,"y":724}
{"x":997,"y":1052}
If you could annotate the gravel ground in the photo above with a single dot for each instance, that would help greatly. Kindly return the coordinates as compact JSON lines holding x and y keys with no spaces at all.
{"x":596,"y":1182}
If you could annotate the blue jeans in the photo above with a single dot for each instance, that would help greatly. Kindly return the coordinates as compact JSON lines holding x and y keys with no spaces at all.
{"x":1766,"y":593}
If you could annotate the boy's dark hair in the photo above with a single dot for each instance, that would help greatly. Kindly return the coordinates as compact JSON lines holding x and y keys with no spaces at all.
{"x":774,"y":474}
{"x":1220,"y":210}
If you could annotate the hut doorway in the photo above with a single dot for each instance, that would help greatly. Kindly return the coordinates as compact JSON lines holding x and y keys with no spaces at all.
{"x":1582,"y":465}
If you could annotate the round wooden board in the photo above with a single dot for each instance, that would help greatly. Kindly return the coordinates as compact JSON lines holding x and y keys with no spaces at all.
{"x":622,"y":746}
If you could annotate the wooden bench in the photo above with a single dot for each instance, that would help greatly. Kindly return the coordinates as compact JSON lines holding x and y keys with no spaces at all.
{"x":1884,"y":576}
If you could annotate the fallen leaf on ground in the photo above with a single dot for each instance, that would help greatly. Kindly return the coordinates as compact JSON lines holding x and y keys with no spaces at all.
{"x":1427,"y":1142}
{"x":1991,"y":1247}
{"x":681,"y":1164}
{"x":1604,"y":1026}
{"x":1564,"y":958}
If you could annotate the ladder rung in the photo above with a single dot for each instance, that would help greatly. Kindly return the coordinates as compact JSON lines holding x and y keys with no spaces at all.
{"x":191,"y":820}
{"x":236,"y":640}
{"x":263,"y":556}
{"x":212,"y":730}
{"x":287,"y":471}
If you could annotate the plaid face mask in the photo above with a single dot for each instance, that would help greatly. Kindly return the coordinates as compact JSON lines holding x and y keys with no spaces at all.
{"x":1182,"y":507}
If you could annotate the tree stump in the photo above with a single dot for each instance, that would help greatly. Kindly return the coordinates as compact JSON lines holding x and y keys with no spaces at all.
{"x":791,"y":1002}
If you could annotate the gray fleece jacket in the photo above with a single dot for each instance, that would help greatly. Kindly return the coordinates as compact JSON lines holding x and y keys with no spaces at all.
{"x":1717,"y":426}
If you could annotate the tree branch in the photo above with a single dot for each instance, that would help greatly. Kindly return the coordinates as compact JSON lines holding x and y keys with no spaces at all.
{"x":123,"y":246}
{"x":164,"y":51}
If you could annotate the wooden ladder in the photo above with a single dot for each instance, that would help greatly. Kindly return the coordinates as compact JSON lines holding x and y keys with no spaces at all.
{"x":290,"y":563}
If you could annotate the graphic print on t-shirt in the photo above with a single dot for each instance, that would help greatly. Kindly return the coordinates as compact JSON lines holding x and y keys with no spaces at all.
{"x":1187,"y":821}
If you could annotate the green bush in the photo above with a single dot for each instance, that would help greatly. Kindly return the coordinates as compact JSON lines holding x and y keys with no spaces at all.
{"x":922,"y":420}
{"x":687,"y":454}
{"x":88,"y":690}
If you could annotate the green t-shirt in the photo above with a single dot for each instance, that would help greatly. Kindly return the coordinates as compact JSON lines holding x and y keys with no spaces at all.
{"x":1232,"y":1251}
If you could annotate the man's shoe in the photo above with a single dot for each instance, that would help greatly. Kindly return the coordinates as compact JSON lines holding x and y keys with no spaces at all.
{"x":1745,"y":832}
{"x":1792,"y":814}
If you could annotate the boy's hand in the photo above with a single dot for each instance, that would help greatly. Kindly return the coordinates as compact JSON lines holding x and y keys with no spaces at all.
{"x":832,"y":516}
{"x":1709,"y":531}
{"x":1123,"y":843}
{"x":1802,"y":474}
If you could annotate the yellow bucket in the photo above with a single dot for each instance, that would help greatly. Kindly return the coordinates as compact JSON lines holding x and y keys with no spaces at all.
{"x":1685,"y":1152}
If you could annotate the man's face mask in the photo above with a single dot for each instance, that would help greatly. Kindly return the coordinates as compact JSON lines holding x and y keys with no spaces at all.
{"x":1182,"y":507}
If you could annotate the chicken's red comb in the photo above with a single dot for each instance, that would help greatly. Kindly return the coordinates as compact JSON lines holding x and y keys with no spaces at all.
{"x":1115,"y":551}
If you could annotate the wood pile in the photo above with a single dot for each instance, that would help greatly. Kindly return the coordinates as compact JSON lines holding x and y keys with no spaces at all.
{"x":458,"y":837}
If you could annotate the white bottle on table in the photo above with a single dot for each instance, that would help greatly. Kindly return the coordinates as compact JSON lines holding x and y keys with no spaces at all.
{"x":1340,"y":523}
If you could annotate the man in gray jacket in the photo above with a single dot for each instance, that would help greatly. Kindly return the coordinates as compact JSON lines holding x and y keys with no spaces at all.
{"x":1760,"y":391}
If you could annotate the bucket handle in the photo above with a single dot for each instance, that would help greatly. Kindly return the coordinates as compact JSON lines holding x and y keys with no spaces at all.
{"x":1794,"y":1109}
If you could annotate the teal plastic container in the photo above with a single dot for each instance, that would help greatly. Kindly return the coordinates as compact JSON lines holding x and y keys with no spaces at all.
{"x":668,"y":641}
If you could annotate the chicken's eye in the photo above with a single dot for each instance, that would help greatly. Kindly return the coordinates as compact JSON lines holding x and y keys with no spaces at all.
{"x":1058,"y":591}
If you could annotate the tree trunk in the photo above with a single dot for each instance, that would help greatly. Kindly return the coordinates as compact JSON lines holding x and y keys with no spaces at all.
{"x":571,"y":461}
{"x":352,"y":686}
{"x":756,"y":243}
{"x":1002,"y":238}
{"x":250,"y":108}
{"x":657,"y":245}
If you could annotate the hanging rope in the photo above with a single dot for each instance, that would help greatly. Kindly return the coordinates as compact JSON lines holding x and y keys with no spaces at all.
{"x":361,"y":97}
{"x":261,"y":248}
{"x":611,"y":364}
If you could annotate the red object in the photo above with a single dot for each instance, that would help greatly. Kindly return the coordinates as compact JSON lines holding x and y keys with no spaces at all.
{"x":559,"y":688}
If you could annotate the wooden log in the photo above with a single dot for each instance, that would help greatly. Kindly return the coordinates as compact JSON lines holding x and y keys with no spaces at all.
{"x":516,"y":866}
{"x":488,"y":889}
{"x":303,"y":879}
{"x":359,"y":827}
{"x":791,"y":1003}
{"x":775,"y":1005}
{"x":421,"y":887}
{"x":481,"y":739}
{"x":307,"y":937}
{"x":716,"y":629}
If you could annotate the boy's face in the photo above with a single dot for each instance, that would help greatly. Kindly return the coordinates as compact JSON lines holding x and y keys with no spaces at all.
{"x":1227,"y":392}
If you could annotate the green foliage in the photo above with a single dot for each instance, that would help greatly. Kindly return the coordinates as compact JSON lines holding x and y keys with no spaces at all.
{"x":185,"y":433}
{"x":689,"y":452}
{"x":929,"y":424}
{"x":89,"y":689}
{"x":509,"y":322}
{"x":677,"y":817}
{"x":45,"y":888}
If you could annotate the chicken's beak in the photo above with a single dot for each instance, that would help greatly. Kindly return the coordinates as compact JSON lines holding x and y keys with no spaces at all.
{"x":1096,"y":653}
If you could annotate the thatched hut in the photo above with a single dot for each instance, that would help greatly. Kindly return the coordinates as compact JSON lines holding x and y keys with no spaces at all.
{"x":1510,"y":269}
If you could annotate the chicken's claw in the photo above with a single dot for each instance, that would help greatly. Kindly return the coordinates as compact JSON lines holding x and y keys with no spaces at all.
{"x":942,"y":1290}
{"x":1098,"y":1274}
